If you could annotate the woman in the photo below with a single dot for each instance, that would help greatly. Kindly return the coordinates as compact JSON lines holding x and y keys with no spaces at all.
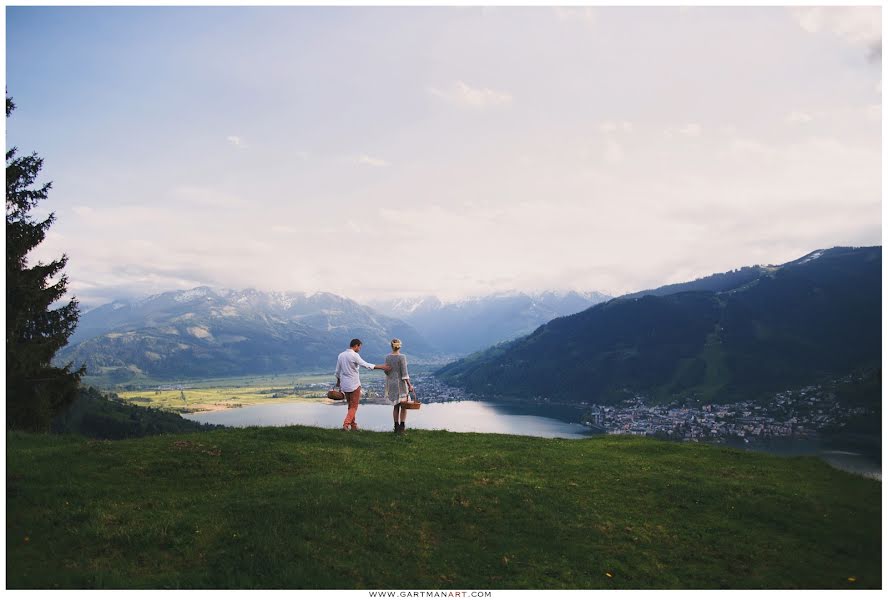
{"x":397,"y":384}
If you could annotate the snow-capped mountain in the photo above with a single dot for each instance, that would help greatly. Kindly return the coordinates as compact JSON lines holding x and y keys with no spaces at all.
{"x":407,"y":306}
{"x":205,"y":331}
{"x":216,"y":332}
{"x":471,"y":324}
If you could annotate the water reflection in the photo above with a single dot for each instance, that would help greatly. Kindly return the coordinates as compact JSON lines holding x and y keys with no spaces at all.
{"x":462,"y":416}
{"x":852,"y":462}
{"x":486,"y":417}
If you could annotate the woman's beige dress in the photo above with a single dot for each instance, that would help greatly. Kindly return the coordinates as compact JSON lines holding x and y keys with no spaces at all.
{"x":395,"y":384}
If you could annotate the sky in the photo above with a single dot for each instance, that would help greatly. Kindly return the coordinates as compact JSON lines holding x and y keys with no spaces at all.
{"x":396,"y":152}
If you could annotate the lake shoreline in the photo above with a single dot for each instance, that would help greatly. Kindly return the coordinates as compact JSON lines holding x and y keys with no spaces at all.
{"x":472,"y":416}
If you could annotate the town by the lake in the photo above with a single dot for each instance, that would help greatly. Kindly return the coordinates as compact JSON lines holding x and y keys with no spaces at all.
{"x":796,"y":413}
{"x":799,"y":413}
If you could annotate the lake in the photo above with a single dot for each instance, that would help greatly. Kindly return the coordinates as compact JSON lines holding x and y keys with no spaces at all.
{"x":852,"y":462}
{"x":488,"y":417}
{"x":463,"y":416}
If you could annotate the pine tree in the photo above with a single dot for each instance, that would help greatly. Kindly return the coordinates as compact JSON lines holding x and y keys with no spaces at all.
{"x":35,"y":390}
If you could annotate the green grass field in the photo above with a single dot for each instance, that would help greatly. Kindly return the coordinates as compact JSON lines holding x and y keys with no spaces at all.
{"x":227,"y":392}
{"x":147,"y":383}
{"x":308,"y":508}
{"x":297,"y":378}
{"x":216,"y":398}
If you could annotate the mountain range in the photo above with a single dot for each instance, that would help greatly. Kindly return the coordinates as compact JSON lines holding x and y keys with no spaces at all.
{"x":728,"y":336}
{"x":731,"y":336}
{"x":207,"y":332}
{"x":459,"y":328}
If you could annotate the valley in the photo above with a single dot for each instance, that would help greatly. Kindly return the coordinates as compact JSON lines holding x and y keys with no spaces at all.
{"x":225,"y":393}
{"x":755,"y":354}
{"x":219,"y":393}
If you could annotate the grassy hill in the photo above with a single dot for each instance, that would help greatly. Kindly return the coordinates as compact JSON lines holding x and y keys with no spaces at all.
{"x":97,"y":415}
{"x":309,"y":508}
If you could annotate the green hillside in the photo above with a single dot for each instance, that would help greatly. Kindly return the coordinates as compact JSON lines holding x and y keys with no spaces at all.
{"x":805,"y":322}
{"x":100,"y":416}
{"x":301,"y":507}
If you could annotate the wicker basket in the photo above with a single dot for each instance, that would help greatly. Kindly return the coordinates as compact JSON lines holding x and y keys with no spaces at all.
{"x":335,"y":394}
{"x":414,"y":404}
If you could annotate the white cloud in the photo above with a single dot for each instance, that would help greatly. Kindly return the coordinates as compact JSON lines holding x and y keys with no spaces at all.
{"x":83,"y":211}
{"x":688,"y":130}
{"x":613,"y":126}
{"x":855,"y":24}
{"x":286,"y":229}
{"x":462,"y":94}
{"x":583,"y":14}
{"x":798,"y":116}
{"x":126,"y":216}
{"x":749,"y":147}
{"x":201,"y":196}
{"x":525,"y":161}
{"x":236,"y":140}
{"x":371,"y":161}
{"x":614,"y":153}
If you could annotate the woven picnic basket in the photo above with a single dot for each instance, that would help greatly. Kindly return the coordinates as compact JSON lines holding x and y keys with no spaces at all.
{"x":411,"y":405}
{"x":335,"y":394}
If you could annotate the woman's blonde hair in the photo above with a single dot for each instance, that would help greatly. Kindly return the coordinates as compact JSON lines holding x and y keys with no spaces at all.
{"x":396,"y":344}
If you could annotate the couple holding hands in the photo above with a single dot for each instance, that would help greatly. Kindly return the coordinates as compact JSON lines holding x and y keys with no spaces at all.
{"x":397,"y":382}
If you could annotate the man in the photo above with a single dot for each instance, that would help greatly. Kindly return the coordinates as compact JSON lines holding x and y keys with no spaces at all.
{"x":348,"y":380}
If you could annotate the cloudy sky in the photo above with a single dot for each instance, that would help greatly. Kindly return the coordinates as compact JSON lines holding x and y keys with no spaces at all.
{"x":388,"y":152}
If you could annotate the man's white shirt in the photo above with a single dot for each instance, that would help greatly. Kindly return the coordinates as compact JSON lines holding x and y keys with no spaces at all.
{"x":347,"y":369}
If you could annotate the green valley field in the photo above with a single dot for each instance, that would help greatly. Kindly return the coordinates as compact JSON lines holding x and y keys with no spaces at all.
{"x":301,"y":507}
{"x":218,"y":397}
